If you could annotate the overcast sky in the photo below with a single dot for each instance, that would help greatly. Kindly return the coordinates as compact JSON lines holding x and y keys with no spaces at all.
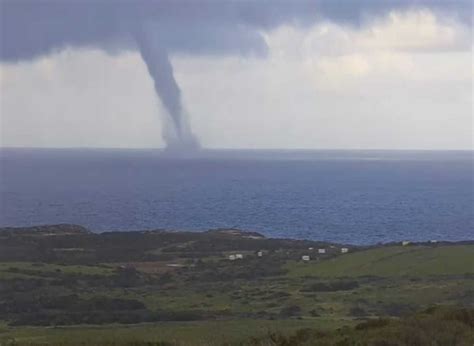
{"x":355,"y":75}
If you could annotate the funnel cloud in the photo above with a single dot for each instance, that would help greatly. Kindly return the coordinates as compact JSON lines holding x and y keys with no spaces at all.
{"x":157,"y":28}
{"x":177,"y":133}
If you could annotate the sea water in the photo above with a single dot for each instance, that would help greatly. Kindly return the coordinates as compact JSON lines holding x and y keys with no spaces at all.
{"x":359,"y":197}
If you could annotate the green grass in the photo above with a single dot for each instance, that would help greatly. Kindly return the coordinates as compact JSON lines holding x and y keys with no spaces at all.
{"x":414,"y":276}
{"x":50,"y":268}
{"x":392,"y":261}
{"x":184,"y":333}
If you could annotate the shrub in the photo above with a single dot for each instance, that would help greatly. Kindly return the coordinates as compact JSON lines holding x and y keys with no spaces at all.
{"x":371,"y":324}
{"x":357,"y":311}
{"x":332,"y":286}
{"x":290,"y":311}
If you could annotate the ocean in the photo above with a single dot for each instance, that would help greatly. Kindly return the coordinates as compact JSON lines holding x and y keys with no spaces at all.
{"x":358,"y":197}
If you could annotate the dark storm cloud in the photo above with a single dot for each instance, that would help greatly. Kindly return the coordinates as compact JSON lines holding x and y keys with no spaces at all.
{"x":30,"y":28}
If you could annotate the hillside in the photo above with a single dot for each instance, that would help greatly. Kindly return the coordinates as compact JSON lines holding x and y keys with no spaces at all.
{"x":413,"y":260}
{"x":119,"y":287}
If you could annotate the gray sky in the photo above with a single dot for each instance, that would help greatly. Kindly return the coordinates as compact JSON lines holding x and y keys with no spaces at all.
{"x":299,"y":74}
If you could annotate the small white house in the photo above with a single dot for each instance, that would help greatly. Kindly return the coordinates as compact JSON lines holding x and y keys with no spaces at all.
{"x":239,"y":256}
{"x":310,"y":248}
{"x":344,"y":250}
{"x":321,"y":250}
{"x":260,"y":253}
{"x":405,"y":243}
{"x":433,"y":241}
{"x":232,"y":257}
{"x":305,"y":258}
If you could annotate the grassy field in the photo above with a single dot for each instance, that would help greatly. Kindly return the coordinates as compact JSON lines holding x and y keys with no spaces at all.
{"x":35,"y":268}
{"x":182,"y":333}
{"x":392,"y":261}
{"x":129,"y":294}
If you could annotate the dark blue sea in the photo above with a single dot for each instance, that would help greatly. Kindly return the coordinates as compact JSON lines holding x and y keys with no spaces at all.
{"x":359,"y":197}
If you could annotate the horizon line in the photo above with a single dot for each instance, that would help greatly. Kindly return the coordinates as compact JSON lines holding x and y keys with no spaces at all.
{"x":203,"y":149}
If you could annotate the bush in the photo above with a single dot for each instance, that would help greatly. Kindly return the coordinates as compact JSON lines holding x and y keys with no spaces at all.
{"x":357,"y":311}
{"x":332,"y":286}
{"x":397,"y":310}
{"x":290,"y":311}
{"x":370,"y":324}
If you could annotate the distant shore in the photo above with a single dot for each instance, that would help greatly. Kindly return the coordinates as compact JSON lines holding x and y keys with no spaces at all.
{"x":179,"y":287}
{"x":229,"y":233}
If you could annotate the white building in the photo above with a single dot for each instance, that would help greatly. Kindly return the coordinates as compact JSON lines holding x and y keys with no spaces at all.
{"x":321,"y":250}
{"x":305,"y":258}
{"x":232,"y":257}
{"x":405,"y":243}
{"x":344,"y":250}
{"x":260,"y":253}
{"x":239,"y":256}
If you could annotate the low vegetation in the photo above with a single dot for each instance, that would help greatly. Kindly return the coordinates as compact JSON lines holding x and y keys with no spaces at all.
{"x":181,"y":288}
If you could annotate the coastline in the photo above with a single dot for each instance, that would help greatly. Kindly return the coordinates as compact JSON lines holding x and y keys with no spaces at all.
{"x":73,"y":229}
